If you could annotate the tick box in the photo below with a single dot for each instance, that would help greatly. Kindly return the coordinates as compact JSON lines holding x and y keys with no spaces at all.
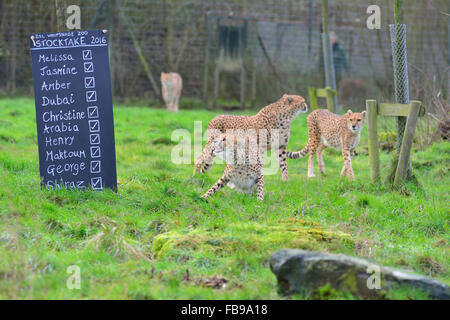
{"x":94,"y":138}
{"x":95,"y":152}
{"x":94,"y":126}
{"x":92,"y":112}
{"x":96,"y":166}
{"x":88,"y":67}
{"x":91,"y":96}
{"x":97,"y":183}
{"x":89,"y":82}
{"x":87,"y":54}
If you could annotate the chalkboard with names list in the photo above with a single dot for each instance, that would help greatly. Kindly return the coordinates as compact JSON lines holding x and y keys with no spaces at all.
{"x":74,"y":114}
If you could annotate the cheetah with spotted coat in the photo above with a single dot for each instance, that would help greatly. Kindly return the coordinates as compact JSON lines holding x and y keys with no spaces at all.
{"x":326,"y":129}
{"x":274,"y":117}
{"x":244,"y":169}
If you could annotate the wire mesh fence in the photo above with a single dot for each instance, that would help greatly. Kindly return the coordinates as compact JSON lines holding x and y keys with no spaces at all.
{"x":240,"y":52}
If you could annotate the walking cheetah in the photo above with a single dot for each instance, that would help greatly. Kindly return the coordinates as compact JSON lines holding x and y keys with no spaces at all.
{"x":326,"y":129}
{"x":244,"y":169}
{"x":272,"y":119}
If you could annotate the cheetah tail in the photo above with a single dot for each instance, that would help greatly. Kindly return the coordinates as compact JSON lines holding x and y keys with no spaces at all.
{"x":298,"y":154}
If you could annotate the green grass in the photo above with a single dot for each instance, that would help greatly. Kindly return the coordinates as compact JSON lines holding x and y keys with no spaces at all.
{"x":142,"y":242}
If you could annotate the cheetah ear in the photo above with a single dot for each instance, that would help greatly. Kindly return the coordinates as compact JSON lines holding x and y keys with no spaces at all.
{"x":349,"y":111}
{"x":289,"y":99}
{"x":364,"y":113}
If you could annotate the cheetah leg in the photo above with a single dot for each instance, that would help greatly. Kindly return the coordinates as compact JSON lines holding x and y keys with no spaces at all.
{"x":311,"y":165}
{"x":260,"y":187}
{"x":320,"y":158}
{"x":219,"y":185}
{"x":283,"y":166}
{"x":312,"y":152}
{"x":343,"y":171}
{"x":348,"y":163}
{"x":176,"y":103}
{"x":313,"y":143}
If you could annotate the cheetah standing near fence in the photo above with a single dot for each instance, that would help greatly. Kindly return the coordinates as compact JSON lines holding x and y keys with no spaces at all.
{"x":326,"y":129}
{"x":276,"y":116}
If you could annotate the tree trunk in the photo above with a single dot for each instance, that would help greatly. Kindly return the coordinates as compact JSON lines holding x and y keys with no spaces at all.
{"x":61,"y":15}
{"x":401,"y":121}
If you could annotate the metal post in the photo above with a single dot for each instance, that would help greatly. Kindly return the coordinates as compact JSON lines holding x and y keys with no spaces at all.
{"x":207,"y":49}
{"x":401,"y":84}
{"x":330,"y":77}
{"x":308,"y":54}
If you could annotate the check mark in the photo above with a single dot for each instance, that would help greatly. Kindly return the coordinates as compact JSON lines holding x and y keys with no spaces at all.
{"x":88,"y":67}
{"x":96,"y":183}
{"x":95,"y":152}
{"x":89,"y":82}
{"x":91,"y":96}
{"x":96,"y":166}
{"x":94,"y":125}
{"x":87,"y":54}
{"x":94,"y":138}
{"x":92,"y":112}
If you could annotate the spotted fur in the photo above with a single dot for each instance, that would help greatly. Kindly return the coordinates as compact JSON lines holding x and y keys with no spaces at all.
{"x":276,"y":116}
{"x":244,"y":169}
{"x":326,"y":129}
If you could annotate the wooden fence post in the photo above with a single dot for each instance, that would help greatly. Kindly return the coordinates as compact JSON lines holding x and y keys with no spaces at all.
{"x":330,"y":97}
{"x":374,"y":158}
{"x":312,"y":98}
{"x":405,"y":151}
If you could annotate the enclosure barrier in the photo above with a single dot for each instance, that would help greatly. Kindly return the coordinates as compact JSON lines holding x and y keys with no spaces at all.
{"x":328,"y":93}
{"x":413,"y":110}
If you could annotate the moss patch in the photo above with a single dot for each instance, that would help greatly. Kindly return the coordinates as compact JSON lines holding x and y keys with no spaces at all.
{"x":250,"y":238}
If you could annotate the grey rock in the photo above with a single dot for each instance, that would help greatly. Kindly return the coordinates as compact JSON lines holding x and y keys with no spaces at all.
{"x":301,"y":271}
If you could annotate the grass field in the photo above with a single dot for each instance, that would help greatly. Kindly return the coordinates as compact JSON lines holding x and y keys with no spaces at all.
{"x":156,"y":239}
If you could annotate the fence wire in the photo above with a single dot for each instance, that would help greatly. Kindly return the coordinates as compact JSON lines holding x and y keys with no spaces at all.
{"x":283,"y":51}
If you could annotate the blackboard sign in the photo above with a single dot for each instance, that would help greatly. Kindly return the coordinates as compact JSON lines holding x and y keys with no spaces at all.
{"x":74,"y":110}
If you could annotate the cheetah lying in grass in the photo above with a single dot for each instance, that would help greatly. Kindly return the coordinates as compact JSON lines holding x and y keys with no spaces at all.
{"x":326,"y":129}
{"x":244,"y":169}
{"x":272,"y":119}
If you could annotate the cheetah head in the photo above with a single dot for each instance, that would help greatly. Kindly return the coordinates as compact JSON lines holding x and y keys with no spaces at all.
{"x":219,"y":146}
{"x":232,"y":148}
{"x":295,"y":103}
{"x":355,"y":121}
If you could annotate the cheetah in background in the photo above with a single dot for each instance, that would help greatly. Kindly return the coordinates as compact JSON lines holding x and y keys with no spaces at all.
{"x":244,"y":169}
{"x":326,"y":129}
{"x":276,"y":116}
{"x":171,"y":86}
